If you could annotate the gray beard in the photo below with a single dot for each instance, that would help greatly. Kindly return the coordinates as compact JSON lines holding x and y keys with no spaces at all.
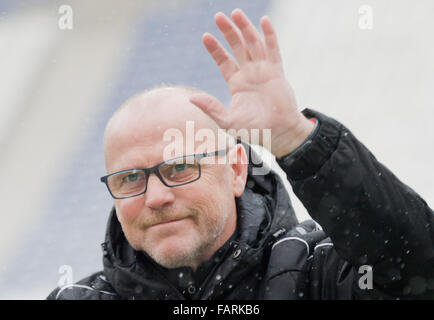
{"x":192,"y":256}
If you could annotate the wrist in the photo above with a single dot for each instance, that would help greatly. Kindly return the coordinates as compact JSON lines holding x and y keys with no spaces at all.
{"x":293,"y":138}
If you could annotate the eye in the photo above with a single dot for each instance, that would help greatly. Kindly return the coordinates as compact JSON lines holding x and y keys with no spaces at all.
{"x":132,"y":177}
{"x":179,"y":170}
{"x":180,"y":167}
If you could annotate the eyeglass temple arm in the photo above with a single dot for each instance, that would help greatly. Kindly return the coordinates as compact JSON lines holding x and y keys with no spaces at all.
{"x":220,"y":152}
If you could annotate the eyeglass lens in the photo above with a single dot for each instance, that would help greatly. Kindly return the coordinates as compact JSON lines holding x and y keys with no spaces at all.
{"x":173,"y":172}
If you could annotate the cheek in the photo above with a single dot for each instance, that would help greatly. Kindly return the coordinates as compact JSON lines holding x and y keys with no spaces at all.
{"x":218,"y":177}
{"x":129,"y":209}
{"x":213,"y":193}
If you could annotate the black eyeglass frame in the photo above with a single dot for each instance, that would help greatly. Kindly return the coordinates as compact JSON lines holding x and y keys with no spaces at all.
{"x":154,"y":169}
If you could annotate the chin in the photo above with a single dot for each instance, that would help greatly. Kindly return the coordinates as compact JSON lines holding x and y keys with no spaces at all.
{"x":174,"y":257}
{"x":172,"y":252}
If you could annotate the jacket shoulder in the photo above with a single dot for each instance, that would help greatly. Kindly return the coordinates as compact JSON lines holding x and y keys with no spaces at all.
{"x":94,"y":287}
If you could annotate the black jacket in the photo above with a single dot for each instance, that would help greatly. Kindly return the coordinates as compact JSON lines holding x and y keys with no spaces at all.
{"x":368,"y":216}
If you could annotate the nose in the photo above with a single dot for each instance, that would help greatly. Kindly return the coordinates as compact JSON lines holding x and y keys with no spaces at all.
{"x":157,"y":194}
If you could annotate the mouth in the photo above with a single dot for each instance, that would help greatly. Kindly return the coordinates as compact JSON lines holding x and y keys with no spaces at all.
{"x":167,"y":222}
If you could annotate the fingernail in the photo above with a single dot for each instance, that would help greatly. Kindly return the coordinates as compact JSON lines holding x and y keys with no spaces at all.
{"x":237,"y":9}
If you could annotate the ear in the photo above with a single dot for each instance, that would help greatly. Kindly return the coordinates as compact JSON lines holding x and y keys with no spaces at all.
{"x":238,"y":163}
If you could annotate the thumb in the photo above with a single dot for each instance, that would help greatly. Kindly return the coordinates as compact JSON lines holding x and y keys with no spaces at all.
{"x":212,"y":107}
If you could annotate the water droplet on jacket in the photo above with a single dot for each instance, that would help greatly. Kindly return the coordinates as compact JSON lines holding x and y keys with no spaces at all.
{"x":406,"y":290}
{"x":181,"y":275}
{"x":363,"y":259}
{"x":428,"y":253}
{"x":218,"y":277}
{"x":418,"y":285}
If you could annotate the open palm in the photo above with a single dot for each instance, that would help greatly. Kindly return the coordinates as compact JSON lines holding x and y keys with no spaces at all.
{"x":262,"y":98}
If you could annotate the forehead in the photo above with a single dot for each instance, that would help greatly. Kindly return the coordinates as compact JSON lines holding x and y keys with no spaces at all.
{"x":141,"y":133}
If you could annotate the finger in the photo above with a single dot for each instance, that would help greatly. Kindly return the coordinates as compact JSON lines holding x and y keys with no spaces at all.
{"x":251,"y":35}
{"x":212,"y":107}
{"x":222,"y":58}
{"x":271,"y":43}
{"x":233,"y":36}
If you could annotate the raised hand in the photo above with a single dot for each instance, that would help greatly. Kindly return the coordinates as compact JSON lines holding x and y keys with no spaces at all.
{"x":262,"y":98}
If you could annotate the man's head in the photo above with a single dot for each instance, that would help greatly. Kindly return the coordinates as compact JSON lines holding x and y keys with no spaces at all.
{"x":204,"y":210}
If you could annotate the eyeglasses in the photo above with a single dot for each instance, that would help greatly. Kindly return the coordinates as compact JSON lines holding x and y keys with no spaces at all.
{"x":172,"y":173}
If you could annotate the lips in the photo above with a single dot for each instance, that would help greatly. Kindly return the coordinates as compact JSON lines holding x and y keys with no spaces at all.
{"x":167,"y":222}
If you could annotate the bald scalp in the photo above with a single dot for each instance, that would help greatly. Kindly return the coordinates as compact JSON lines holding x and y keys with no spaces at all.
{"x":149,"y":100}
{"x":146,"y":117}
{"x":156,"y":94}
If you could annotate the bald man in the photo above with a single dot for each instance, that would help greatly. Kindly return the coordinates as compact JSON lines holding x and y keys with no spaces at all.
{"x":181,"y":226}
{"x":192,"y":219}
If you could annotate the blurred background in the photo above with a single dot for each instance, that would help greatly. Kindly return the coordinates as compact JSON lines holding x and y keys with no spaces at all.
{"x":368,"y":64}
